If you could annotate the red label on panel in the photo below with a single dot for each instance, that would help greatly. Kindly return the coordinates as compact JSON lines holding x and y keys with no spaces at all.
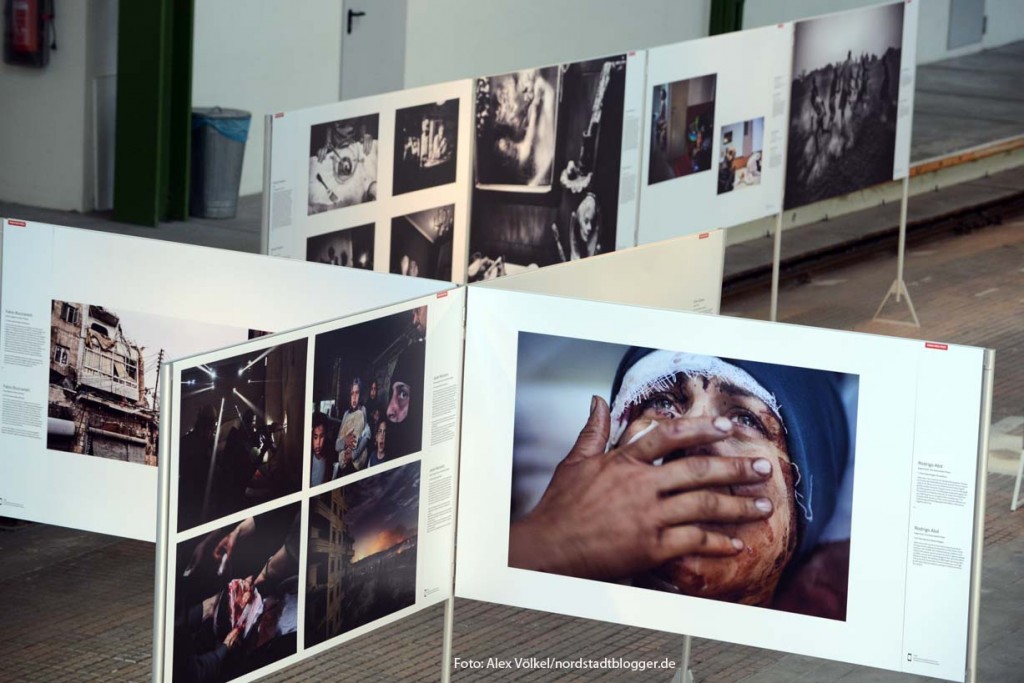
{"x":441,"y":295}
{"x":935,"y":345}
{"x":17,"y":224}
{"x":279,"y":115}
{"x":704,"y":235}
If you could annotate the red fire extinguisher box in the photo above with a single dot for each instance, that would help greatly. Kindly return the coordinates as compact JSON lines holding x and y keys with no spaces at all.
{"x":26,"y":23}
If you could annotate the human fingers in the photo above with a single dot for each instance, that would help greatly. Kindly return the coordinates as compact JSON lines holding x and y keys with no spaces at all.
{"x":693,"y":540}
{"x":594,"y":436}
{"x":673,"y":435}
{"x":712,"y":506}
{"x":698,"y":471}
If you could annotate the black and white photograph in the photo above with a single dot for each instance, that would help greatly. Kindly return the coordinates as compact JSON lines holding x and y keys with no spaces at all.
{"x":343,"y":163}
{"x":236,"y":597}
{"x":778,"y":535}
{"x":741,"y":155}
{"x":553,"y":195}
{"x":421,"y":243}
{"x":242,"y":432}
{"x":361,"y":558}
{"x":104,"y":364}
{"x":426,"y":146}
{"x":368,"y":390}
{"x":843,"y":103}
{"x":682,"y":128}
{"x":352,"y":247}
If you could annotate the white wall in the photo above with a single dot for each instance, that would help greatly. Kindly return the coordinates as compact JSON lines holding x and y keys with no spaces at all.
{"x":450,"y":39}
{"x":43,"y":125}
{"x":265,"y":56}
{"x":1005,"y":21}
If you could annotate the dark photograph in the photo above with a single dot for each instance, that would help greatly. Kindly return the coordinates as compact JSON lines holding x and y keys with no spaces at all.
{"x":421,"y":243}
{"x":426,"y":146}
{"x":104,"y":365}
{"x":843,"y":103}
{"x":361,"y":562}
{"x":342,"y":163}
{"x":242,"y":432}
{"x":236,"y":597}
{"x":351,"y":247}
{"x":682,"y":128}
{"x":553,"y":195}
{"x":741,"y":155}
{"x":591,"y":452}
{"x":368,"y":388}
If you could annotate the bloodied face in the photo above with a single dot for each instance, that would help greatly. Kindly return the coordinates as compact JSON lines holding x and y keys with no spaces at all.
{"x":398,"y":406}
{"x":758,"y":432}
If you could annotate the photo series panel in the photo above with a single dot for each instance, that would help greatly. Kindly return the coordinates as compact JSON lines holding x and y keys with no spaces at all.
{"x":242,"y":432}
{"x":236,"y":597}
{"x":795,"y":554}
{"x":716,"y":128}
{"x":362,"y":552}
{"x":366,"y":163}
{"x":368,"y":394}
{"x":555,"y":147}
{"x":843,"y":103}
{"x":103,"y":376}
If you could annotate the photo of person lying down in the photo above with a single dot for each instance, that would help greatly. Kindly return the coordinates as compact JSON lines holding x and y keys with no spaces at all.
{"x":698,"y":475}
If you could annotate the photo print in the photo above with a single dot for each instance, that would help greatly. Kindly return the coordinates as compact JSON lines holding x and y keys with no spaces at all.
{"x":682,"y":128}
{"x":421,"y":243}
{"x":845,"y":92}
{"x":549,"y":150}
{"x":361,"y":558}
{"x":236,"y":597}
{"x":242,"y":431}
{"x":104,"y":365}
{"x":741,"y":152}
{"x":342,"y":163}
{"x":368,"y":388}
{"x":778,"y":538}
{"x":426,"y":146}
{"x":351,"y":247}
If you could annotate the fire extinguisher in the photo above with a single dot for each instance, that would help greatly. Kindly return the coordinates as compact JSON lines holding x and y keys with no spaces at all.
{"x":29,"y":32}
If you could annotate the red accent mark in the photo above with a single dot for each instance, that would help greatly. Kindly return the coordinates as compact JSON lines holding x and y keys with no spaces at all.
{"x":936,"y":345}
{"x":704,"y":235}
{"x":278,"y":114}
{"x":441,"y":295}
{"x":17,"y":224}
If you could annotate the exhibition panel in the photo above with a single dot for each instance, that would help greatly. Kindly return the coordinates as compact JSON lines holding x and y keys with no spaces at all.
{"x":88,"y":319}
{"x":386,"y":182}
{"x":845,"y":506}
{"x":683,"y":274}
{"x":851,"y":101}
{"x":555,"y":164}
{"x":715,"y":138}
{"x":308,"y":489}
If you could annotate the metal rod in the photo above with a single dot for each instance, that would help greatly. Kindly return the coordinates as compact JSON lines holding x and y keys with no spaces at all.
{"x":449,"y":634}
{"x":776,"y":266}
{"x":903,"y":235}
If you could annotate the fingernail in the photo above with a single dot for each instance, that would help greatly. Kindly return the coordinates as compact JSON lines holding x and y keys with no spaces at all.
{"x":763,"y":504}
{"x":762,"y":466}
{"x":593,"y":404}
{"x":737,"y":544}
{"x":723,"y":424}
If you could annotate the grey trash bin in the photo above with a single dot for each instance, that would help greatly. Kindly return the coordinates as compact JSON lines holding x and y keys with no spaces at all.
{"x":218,"y":147}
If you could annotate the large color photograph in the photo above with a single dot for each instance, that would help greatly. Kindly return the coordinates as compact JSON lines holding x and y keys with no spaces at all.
{"x":342,"y":163}
{"x":549,"y":149}
{"x":242,"y":430}
{"x":368,"y":389}
{"x":682,"y":128}
{"x":104,"y":364}
{"x":361,"y":562}
{"x":236,"y":597}
{"x":845,"y":92}
{"x":698,"y":475}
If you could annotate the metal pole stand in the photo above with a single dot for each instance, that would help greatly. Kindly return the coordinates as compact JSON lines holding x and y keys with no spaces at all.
{"x":1016,"y":487}
{"x":776,"y":267}
{"x":683,"y":673}
{"x":898,"y":288}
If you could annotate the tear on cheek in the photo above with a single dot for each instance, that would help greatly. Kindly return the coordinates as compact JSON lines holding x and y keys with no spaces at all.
{"x":653,"y":424}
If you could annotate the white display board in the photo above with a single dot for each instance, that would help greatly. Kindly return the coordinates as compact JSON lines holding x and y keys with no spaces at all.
{"x":872,"y":442}
{"x":683,"y":274}
{"x":269,"y":558}
{"x":851,"y":101}
{"x":87,"y":318}
{"x":380,"y":182}
{"x":556,"y":155}
{"x":715,"y":132}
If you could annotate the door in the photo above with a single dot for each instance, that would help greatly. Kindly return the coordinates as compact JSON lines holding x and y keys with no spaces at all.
{"x":372,"y":47}
{"x":966,"y":23}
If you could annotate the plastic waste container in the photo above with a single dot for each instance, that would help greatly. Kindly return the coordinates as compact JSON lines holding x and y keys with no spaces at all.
{"x":218,"y":147}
